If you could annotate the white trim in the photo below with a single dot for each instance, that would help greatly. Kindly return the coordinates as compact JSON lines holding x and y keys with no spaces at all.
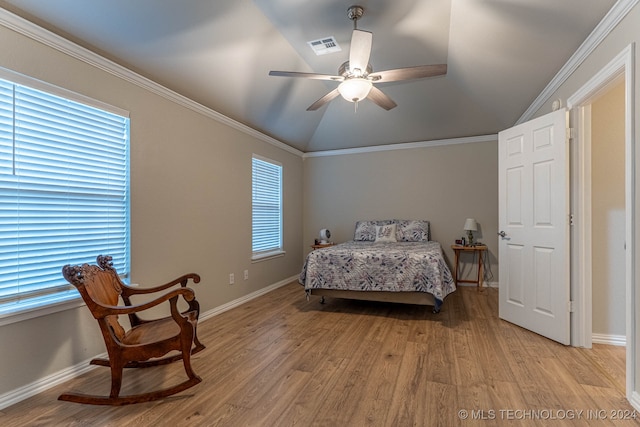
{"x":24,"y":312}
{"x":266,"y":159}
{"x":599,"y":83}
{"x":622,"y":64}
{"x":581,"y":253}
{"x":473,"y":285}
{"x":14,"y":396}
{"x":21,"y":79}
{"x":635,"y":400}
{"x":265,"y":256}
{"x":238,"y":302}
{"x":608,"y":339}
{"x":602,"y":30}
{"x":403,"y":146}
{"x":31,"y":30}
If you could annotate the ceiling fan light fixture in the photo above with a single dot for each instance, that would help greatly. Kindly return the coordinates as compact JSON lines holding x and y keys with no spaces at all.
{"x":355,"y":89}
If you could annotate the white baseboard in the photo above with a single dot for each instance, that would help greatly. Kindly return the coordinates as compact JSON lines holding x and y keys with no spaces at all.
{"x":608,"y":339}
{"x":635,"y":400}
{"x":235,"y":303}
{"x":484,"y":284}
{"x":619,"y":340}
{"x":46,"y":383}
{"x":14,"y":396}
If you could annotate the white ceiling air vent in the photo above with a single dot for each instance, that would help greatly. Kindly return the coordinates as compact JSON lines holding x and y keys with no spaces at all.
{"x":324,"y":45}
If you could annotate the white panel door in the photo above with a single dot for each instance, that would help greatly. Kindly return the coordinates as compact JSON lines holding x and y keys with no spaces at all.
{"x":533,"y":182}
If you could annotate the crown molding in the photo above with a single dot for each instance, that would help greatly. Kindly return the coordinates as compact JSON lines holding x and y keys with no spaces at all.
{"x":602,"y":30}
{"x":403,"y":146}
{"x":46,"y":37}
{"x":37,"y":33}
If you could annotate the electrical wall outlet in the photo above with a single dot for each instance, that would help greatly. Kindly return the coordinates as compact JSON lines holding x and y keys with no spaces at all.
{"x":232,"y":279}
{"x":246,"y":275}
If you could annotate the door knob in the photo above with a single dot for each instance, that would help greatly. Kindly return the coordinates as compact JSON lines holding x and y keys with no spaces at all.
{"x":502,"y":234}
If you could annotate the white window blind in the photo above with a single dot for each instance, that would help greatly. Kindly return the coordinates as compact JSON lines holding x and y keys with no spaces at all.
{"x":266,"y":207}
{"x":64,"y":193}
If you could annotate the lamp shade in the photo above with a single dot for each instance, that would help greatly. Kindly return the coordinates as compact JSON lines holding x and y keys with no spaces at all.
{"x":470,"y":225}
{"x":355,"y":89}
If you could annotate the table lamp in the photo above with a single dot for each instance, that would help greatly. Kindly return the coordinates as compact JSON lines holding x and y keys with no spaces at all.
{"x":470,"y":226}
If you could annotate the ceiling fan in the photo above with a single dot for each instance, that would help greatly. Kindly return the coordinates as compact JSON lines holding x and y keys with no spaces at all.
{"x":356,"y":76}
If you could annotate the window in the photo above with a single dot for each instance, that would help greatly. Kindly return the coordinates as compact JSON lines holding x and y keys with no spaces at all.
{"x":64,"y":191}
{"x":266,"y":208}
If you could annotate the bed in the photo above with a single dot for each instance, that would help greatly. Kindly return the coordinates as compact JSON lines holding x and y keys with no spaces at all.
{"x":388,"y":260}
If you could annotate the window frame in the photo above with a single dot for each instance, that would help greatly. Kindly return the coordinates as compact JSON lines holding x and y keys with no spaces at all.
{"x":272,"y":252}
{"x":70,"y":298}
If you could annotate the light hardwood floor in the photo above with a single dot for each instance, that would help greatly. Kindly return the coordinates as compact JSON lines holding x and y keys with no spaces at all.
{"x":281,"y":360}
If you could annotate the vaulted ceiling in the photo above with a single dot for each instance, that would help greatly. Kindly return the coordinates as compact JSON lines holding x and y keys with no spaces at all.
{"x":500,"y":55}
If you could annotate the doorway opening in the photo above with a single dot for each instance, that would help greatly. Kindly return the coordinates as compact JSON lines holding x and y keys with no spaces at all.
{"x":585,"y":192}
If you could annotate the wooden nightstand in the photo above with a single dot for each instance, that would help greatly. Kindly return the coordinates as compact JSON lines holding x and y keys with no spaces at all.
{"x":321,"y":245}
{"x":480,"y":249}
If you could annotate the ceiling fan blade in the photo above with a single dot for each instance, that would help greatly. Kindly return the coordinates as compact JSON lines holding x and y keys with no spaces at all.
{"x":360,"y":50}
{"x":306,"y":75}
{"x":409,"y":73}
{"x":379,"y":98}
{"x":325,"y":99}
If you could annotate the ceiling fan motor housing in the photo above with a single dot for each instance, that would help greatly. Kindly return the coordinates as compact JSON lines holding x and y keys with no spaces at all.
{"x":346,"y":72}
{"x":355,"y":12}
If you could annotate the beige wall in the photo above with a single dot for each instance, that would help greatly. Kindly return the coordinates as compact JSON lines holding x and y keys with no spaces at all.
{"x":190,"y":208}
{"x":189,"y":193}
{"x":444,"y":184}
{"x":608,"y":212}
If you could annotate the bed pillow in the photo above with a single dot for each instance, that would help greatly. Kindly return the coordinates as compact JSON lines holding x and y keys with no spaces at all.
{"x":366,"y":230}
{"x":386,"y":233}
{"x":413,"y":230}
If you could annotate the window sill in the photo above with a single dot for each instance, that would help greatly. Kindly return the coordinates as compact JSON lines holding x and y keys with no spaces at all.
{"x":13,"y":313}
{"x":267,"y":256}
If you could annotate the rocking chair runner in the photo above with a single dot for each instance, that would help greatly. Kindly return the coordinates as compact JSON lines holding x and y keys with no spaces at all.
{"x":100,"y":287}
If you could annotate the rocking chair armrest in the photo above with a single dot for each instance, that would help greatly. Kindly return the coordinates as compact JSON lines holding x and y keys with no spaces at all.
{"x":182,"y":280}
{"x":103,"y":310}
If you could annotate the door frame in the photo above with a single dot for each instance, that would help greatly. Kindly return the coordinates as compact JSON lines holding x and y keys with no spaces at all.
{"x":622,"y":66}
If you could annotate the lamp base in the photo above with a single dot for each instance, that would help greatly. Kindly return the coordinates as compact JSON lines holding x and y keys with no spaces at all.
{"x":470,"y":237}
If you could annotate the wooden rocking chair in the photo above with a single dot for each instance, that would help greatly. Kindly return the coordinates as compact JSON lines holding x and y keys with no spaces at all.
{"x":147,"y":341}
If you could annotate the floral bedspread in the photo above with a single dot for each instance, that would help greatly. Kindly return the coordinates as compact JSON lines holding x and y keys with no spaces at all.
{"x":374,"y":266}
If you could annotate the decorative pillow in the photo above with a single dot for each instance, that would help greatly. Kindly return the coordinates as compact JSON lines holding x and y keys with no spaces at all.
{"x":413,"y":230}
{"x":386,"y":233}
{"x":366,"y":230}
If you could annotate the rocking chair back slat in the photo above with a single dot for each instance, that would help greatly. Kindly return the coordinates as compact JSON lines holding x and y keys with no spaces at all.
{"x":99,"y":286}
{"x":103,"y":288}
